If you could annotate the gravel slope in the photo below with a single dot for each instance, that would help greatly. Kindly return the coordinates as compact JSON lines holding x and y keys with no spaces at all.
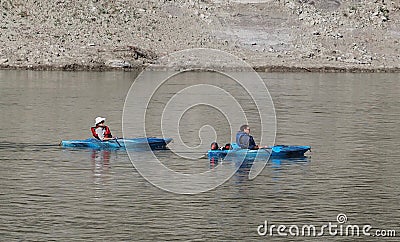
{"x":324,"y":35}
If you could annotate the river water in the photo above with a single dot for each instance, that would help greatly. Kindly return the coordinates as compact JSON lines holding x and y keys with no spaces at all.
{"x":50,"y":193}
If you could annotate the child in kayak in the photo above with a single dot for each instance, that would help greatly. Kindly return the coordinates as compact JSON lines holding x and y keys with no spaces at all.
{"x":101,"y":131}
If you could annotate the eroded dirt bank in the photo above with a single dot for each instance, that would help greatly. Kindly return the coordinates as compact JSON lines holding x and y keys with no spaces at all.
{"x":324,"y":35}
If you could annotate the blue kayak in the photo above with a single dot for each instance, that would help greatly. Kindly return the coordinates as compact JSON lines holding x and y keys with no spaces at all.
{"x":120,"y":143}
{"x":277,"y":151}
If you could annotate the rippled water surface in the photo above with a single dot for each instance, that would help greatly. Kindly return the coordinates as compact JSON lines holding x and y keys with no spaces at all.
{"x":49,"y":193}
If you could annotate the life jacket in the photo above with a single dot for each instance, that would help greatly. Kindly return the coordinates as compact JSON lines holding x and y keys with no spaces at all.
{"x":241,"y":141}
{"x":245,"y":141}
{"x":107,"y":132}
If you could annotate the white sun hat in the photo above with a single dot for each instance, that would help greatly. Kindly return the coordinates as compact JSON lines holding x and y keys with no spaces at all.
{"x":99,"y":120}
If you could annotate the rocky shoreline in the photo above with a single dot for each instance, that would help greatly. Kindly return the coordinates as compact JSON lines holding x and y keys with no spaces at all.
{"x":269,"y":68}
{"x":283,"y":36}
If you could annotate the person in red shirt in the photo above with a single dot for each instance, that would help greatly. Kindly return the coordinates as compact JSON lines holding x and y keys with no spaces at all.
{"x":101,"y":131}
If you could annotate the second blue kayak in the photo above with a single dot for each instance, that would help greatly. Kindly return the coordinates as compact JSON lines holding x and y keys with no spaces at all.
{"x":278,"y":151}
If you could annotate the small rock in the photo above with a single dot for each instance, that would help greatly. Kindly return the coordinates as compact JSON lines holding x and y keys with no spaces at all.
{"x":367,"y":57}
{"x":3,"y":61}
{"x":310,"y":55}
{"x":118,"y":63}
{"x":338,"y":36}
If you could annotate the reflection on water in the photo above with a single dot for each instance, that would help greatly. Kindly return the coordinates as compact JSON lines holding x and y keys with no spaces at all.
{"x":276,"y":165}
{"x":101,"y":164}
{"x":50,"y":193}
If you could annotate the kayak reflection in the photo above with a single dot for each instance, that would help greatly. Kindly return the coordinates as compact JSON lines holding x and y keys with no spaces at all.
{"x":100,"y":165}
{"x":243,"y":168}
{"x":248,"y":162}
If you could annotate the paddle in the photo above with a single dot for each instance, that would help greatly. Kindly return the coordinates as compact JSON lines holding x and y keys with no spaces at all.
{"x":116,"y":140}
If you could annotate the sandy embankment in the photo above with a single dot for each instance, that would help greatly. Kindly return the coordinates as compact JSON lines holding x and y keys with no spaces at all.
{"x":325,"y":35}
